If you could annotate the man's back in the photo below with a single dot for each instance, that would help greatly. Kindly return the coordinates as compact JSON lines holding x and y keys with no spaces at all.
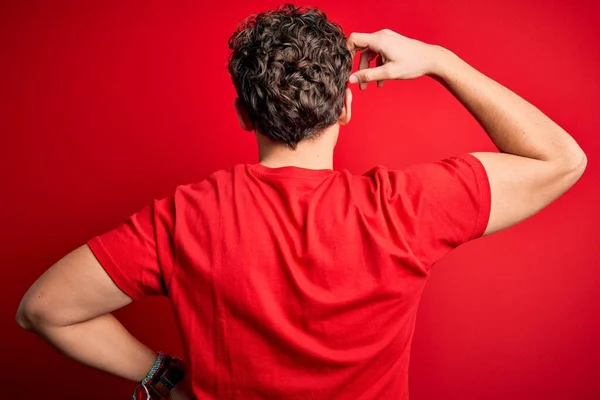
{"x":298,"y":283}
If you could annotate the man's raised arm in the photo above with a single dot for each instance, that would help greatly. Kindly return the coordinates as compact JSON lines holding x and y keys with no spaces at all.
{"x":538,"y":160}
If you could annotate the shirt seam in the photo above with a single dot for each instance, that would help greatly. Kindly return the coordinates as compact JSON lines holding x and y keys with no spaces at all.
{"x":414,"y":246}
{"x":172,"y":235}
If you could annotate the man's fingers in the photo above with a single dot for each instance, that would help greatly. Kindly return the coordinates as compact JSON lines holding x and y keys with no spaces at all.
{"x":370,"y":75}
{"x":357,"y":41}
{"x":365,"y":60}
{"x":370,"y":44}
{"x":361,"y":41}
{"x":379,"y":61}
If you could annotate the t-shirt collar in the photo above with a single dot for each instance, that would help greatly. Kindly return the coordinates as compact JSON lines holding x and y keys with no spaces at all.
{"x":290,"y":171}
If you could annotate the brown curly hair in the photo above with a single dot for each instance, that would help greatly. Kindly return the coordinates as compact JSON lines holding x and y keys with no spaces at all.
{"x":290,"y":67}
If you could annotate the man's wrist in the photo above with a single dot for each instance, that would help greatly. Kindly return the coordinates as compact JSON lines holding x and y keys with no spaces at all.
{"x":443,"y":62}
{"x":161,"y":379}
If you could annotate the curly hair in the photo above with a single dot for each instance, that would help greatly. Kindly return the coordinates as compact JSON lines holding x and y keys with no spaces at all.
{"x":290,"y":67}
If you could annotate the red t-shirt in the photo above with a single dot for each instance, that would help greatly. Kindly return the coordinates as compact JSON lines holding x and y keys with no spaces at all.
{"x":290,"y":283}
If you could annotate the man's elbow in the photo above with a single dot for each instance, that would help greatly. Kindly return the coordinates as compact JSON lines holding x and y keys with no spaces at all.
{"x":578,"y":166}
{"x":30,"y":316}
{"x":572,"y":165}
{"x":23,"y":318}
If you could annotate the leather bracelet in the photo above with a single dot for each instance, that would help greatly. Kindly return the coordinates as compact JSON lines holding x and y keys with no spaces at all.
{"x":165,"y":380}
{"x":162,"y":378}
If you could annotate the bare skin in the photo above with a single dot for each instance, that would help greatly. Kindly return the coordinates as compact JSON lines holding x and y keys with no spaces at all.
{"x":70,"y":305}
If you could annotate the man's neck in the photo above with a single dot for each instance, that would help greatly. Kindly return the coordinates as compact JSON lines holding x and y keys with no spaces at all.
{"x":310,"y":154}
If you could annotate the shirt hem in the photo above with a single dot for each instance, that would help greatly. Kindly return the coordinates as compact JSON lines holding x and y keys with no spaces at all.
{"x":484,"y":193}
{"x":111,"y":267}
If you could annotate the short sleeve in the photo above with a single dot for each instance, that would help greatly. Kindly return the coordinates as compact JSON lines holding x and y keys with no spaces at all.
{"x":138,"y":254}
{"x":440,"y":205}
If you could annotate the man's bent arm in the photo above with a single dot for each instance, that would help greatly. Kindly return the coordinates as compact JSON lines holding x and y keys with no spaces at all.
{"x":514,"y":125}
{"x":538,"y":162}
{"x":69,"y":306}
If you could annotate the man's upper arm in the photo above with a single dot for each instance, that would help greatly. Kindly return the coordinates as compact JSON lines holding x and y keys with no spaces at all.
{"x":520,"y":186}
{"x":129,"y":262}
{"x":73,"y":290}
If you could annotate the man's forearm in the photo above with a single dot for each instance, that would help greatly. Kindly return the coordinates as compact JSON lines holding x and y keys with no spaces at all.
{"x":101,"y":343}
{"x":514,"y":125}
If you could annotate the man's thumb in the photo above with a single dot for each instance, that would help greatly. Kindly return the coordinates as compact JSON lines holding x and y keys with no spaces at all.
{"x":368,"y":75}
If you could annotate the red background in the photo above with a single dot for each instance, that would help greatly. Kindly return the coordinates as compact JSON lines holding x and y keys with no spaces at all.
{"x":106,"y":105}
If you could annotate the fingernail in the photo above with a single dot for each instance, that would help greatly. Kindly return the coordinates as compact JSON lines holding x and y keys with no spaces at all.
{"x":353,"y":79}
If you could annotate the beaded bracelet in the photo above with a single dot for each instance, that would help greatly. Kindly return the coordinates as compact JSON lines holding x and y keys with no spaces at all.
{"x":158,"y":363}
{"x":162,"y":378}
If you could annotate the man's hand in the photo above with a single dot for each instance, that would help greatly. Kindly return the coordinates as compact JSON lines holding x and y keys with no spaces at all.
{"x":396,"y":57}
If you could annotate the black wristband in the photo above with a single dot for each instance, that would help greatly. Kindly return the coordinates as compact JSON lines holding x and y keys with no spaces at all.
{"x":166,"y":378}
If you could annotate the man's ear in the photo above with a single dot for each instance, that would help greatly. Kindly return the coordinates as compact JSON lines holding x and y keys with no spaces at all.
{"x":243,"y":118}
{"x":347,"y":109}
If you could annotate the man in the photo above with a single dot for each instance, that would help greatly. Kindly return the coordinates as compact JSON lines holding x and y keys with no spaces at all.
{"x":290,"y":280}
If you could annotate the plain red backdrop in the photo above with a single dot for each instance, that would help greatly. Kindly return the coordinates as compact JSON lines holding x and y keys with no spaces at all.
{"x":106,"y":105}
